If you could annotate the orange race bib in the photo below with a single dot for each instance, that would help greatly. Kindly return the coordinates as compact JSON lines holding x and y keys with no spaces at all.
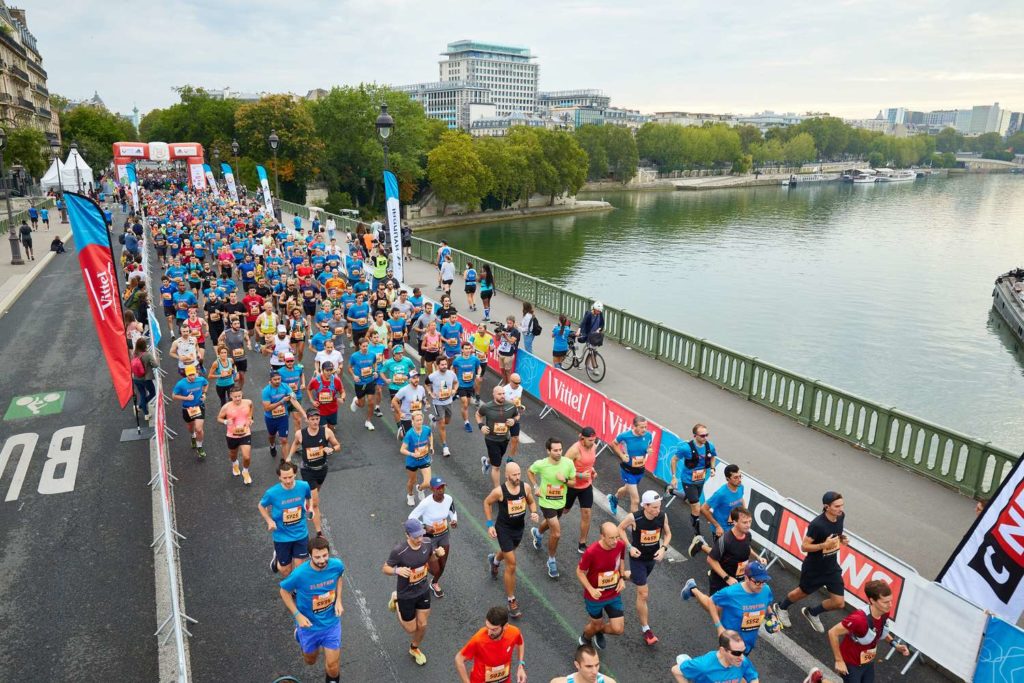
{"x":278,"y":411}
{"x":365,"y":372}
{"x":439,"y":527}
{"x":500,"y":428}
{"x":398,"y":378}
{"x":291,"y":515}
{"x":240,"y":430}
{"x":452,"y":341}
{"x":638,"y":460}
{"x":422,"y":451}
{"x":608,"y":579}
{"x":238,"y":353}
{"x":323,"y":602}
{"x":467,"y":376}
{"x":698,"y":475}
{"x":554,"y":491}
{"x":650,"y":536}
{"x":415,"y":406}
{"x":444,"y":393}
{"x":832,"y":547}
{"x":741,"y":570}
{"x":215,"y":316}
{"x":516,"y":507}
{"x":314,"y":453}
{"x":325,"y":397}
{"x":194,"y":411}
{"x":417,"y":574}
{"x":868,"y":656}
{"x":496,"y":674}
{"x":226,"y":372}
{"x":752,"y":621}
{"x":167,"y":297}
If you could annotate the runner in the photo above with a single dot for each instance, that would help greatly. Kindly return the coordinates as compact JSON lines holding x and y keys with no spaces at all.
{"x":284,"y":507}
{"x":550,"y":477}
{"x":326,"y":392}
{"x":185,"y":350}
{"x":409,"y":563}
{"x":266,"y":322}
{"x":855,"y":639}
{"x":397,"y":370}
{"x":237,"y":341}
{"x":277,"y":397}
{"x":514,"y":395}
{"x":727,"y":663}
{"x":293,"y":375}
{"x":486,"y":290}
{"x":493,"y":649}
{"x":691,"y":464}
{"x":512,"y":499}
{"x":437,"y":512}
{"x":509,"y":337}
{"x":588,"y":668}
{"x":741,"y":607}
{"x":466,"y":367}
{"x":362,"y":365}
{"x":417,"y":447}
{"x":277,"y":346}
{"x":329,"y":354}
{"x":236,"y":416}
{"x":409,"y":400}
{"x":483,"y":345}
{"x":297,"y":329}
{"x":602,"y":573}
{"x":633,"y":447}
{"x":646,"y":546}
{"x":729,"y":495}
{"x":191,"y":391}
{"x":494,"y":419}
{"x":470,"y":277}
{"x":820,"y":568}
{"x":451,"y":335}
{"x":429,"y":344}
{"x":314,"y":444}
{"x":583,"y":454}
{"x":443,"y":383}
{"x":729,"y":555}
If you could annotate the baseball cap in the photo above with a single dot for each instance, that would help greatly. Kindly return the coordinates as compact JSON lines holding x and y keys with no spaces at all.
{"x":289,"y":356}
{"x":830,"y":497}
{"x":436,"y":482}
{"x":190,"y":370}
{"x":398,"y":349}
{"x":327,"y":365}
{"x":758,"y":572}
{"x":650,"y":497}
{"x":282,"y":328}
{"x":588,"y":432}
{"x":413,"y":527}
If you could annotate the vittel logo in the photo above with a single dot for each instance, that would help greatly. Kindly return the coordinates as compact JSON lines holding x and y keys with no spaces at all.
{"x":101,"y":285}
{"x":563,"y":392}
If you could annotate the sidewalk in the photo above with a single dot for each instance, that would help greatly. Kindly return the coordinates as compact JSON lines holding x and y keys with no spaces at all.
{"x":918,"y":521}
{"x":14,"y":280}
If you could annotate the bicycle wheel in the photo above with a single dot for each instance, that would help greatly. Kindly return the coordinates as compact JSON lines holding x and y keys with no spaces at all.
{"x":568,"y":359}
{"x":595,"y":365}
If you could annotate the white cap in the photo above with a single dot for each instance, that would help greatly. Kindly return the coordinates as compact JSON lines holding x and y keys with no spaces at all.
{"x":650,"y":497}
{"x":282,"y":328}
{"x":598,"y":306}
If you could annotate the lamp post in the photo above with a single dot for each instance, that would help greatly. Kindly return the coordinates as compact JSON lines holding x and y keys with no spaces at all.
{"x":12,"y":234}
{"x":213,"y":169}
{"x":78,"y":177}
{"x":237,"y":171}
{"x":55,"y":146}
{"x":384,"y":126}
{"x":274,"y":142}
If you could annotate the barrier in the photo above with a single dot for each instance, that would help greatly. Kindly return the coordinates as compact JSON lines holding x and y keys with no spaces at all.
{"x":1001,"y":659}
{"x":962,"y":462}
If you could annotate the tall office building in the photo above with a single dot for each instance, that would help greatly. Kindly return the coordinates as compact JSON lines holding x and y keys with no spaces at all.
{"x":989,"y":118}
{"x":24,"y":97}
{"x":457,"y":103}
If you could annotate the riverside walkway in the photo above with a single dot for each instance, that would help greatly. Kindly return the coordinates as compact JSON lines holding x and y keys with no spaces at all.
{"x":917,"y":520}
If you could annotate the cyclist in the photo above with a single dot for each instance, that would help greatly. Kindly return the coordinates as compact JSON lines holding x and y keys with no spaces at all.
{"x":591,"y":329}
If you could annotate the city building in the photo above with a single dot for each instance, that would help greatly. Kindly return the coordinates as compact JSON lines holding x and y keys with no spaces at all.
{"x":684,"y":118}
{"x":227,"y":93}
{"x":878,"y":124}
{"x":1016,"y":123}
{"x":963,"y":120}
{"x":24,"y":97}
{"x":627,"y":118}
{"x":134,"y":118}
{"x":569,"y":99}
{"x":499,"y":126}
{"x":457,"y":103}
{"x":94,"y":101}
{"x":989,"y":118}
{"x":767,"y":120}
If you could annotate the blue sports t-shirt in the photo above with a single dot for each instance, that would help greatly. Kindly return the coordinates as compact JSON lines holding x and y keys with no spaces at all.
{"x":287,"y":509}
{"x":414,"y":441}
{"x":451,"y":335}
{"x":359,"y":312}
{"x":193,"y":389}
{"x":704,"y":454}
{"x":560,"y":334}
{"x":291,"y":377}
{"x":273,"y":395}
{"x":743,"y":611}
{"x":470,"y":277}
{"x":722,"y":503}
{"x":362,"y":366}
{"x":316,"y":591}
{"x":167,"y":295}
{"x":398,"y":371}
{"x":318,"y":340}
{"x":187,"y":298}
{"x":707,"y":669}
{"x":636,"y":447}
{"x":466,"y":369}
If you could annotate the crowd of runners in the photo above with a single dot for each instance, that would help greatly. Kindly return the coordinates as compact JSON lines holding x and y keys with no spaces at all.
{"x":248,"y":300}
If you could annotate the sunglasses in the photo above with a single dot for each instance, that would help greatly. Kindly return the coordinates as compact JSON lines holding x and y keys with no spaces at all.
{"x":737,"y":653}
{"x":759,"y":583}
{"x":702,"y":436}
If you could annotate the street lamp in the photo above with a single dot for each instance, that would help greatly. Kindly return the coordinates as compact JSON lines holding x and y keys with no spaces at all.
{"x":216,"y":160}
{"x":234,"y":152}
{"x":78,"y":178}
{"x":384,"y":125}
{"x":55,"y":148}
{"x":16,"y":259}
{"x":274,"y":142}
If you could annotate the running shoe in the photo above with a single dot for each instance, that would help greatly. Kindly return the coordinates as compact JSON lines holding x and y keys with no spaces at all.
{"x":581,"y":548}
{"x":492,"y":566}
{"x":468,"y":427}
{"x":393,"y":601}
{"x":418,"y":655}
{"x":552,"y":568}
{"x":613,"y":503}
{"x":687,"y":591}
{"x":273,"y":452}
{"x":446,"y":451}
{"x":246,"y":478}
{"x":410,"y":501}
{"x":513,"y":608}
{"x":599,"y":641}
{"x":352,"y":406}
{"x":476,"y":400}
{"x":377,"y":412}
{"x":814,"y":676}
{"x":196,"y":445}
{"x":235,"y":469}
{"x":583,"y":640}
{"x":273,"y":562}
{"x":201,"y":452}
{"x":812,"y":619}
{"x":436,"y":590}
{"x":535,"y":533}
{"x":649,"y":637}
{"x":421,"y":493}
{"x":485,"y":464}
{"x":696,"y":546}
{"x":369,"y":426}
{"x":783,"y":615}
{"x":400,"y":432}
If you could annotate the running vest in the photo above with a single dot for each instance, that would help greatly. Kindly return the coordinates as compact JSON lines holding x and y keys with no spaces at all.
{"x":235,"y":341}
{"x":197,"y":329}
{"x":268,"y":325}
{"x":584,"y":462}
{"x":313,"y":455}
{"x":571,"y":678}
{"x":281,"y":347}
{"x":512,"y":510}
{"x":187,"y":350}
{"x":647,"y":533}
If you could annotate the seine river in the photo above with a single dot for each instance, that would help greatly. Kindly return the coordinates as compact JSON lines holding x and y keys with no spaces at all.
{"x":882,"y":290}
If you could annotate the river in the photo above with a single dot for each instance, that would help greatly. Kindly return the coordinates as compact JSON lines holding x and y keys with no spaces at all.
{"x":882,"y":290}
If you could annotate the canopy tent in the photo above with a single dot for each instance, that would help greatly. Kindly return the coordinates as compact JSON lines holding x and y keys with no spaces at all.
{"x":50,"y":180}
{"x":76,"y":174}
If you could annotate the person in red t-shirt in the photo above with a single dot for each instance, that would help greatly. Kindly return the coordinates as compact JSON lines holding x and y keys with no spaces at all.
{"x":325,"y":391}
{"x":253,"y":303}
{"x":493,"y":651}
{"x":855,"y":639}
{"x":602,"y":572}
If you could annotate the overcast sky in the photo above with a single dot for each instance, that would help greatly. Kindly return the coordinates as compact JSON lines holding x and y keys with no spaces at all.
{"x":847,"y":57}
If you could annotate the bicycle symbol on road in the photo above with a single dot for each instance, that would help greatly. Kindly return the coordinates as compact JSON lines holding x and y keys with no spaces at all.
{"x":35,"y":405}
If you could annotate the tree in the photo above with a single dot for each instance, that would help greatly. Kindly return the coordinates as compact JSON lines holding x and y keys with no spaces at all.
{"x":949,"y":140}
{"x":990,"y":146}
{"x":623,"y":159}
{"x":593,"y":139}
{"x":876,"y":160}
{"x":456,"y":172}
{"x":1016,"y":142}
{"x":565,"y":170}
{"x":300,"y":149}
{"x":95,"y":130}
{"x":749,"y":136}
{"x":197,"y":118}
{"x":800,"y":149}
{"x":25,"y":146}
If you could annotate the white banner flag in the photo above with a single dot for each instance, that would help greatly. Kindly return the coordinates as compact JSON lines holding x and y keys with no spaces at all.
{"x":268,"y":201}
{"x":394,"y":212}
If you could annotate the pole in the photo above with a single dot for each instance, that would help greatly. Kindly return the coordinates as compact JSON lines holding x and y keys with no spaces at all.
{"x":238,"y":176}
{"x":387,"y":166}
{"x":12,"y":235}
{"x":277,"y":190}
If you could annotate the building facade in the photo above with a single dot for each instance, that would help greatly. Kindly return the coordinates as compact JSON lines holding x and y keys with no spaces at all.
{"x":24,"y":97}
{"x":454,"y":102}
{"x":510,"y":73}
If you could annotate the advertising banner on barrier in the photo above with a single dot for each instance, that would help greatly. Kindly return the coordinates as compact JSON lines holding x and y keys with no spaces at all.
{"x":987,"y":567}
{"x":268,"y":201}
{"x":618,"y":419}
{"x":571,"y":398}
{"x":1001,"y":659}
{"x":229,"y":180}
{"x":198,"y":176}
{"x":133,"y":186}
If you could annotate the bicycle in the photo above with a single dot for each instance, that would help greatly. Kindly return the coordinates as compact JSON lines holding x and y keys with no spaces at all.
{"x":590,"y":359}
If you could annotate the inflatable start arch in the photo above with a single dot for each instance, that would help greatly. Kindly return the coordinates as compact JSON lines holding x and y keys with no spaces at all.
{"x":189,"y":152}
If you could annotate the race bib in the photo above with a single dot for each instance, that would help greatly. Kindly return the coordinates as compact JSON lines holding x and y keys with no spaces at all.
{"x":398,"y":378}
{"x":417,"y":574}
{"x":323,"y":602}
{"x":496,"y":674}
{"x":752,"y":621}
{"x":868,"y":656}
{"x":325,"y":397}
{"x":439,"y":527}
{"x":415,"y":406}
{"x":294,"y":386}
{"x":396,"y":335}
{"x":500,"y":428}
{"x":214,"y":316}
{"x":444,"y":393}
{"x":360,"y":321}
{"x":194,"y":411}
{"x":238,"y":353}
{"x":650,"y":536}
{"x":516,"y":507}
{"x":638,"y":460}
{"x":298,"y":334}
{"x":451,"y":341}
{"x":291,"y":515}
{"x":698,"y":476}
{"x":832,"y":547}
{"x":421,"y":451}
{"x":226,"y":372}
{"x":167,"y":296}
{"x":240,"y":430}
{"x":608,"y":579}
{"x":278,"y":411}
{"x":467,"y":376}
{"x":365,"y":372}
{"x":554,"y":491}
{"x":314,"y":453}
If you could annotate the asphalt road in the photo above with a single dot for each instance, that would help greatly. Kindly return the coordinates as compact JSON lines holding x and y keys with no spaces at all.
{"x":245,"y":633}
{"x":76,"y":573}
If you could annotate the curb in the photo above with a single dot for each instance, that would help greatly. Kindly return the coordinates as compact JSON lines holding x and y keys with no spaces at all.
{"x":30,"y":277}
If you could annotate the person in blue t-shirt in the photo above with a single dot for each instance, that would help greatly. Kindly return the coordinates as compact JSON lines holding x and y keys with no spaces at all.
{"x":741,"y":607}
{"x":323,"y":334}
{"x":277,"y":398}
{"x":363,"y":368}
{"x":284,"y":507}
{"x":297,"y":222}
{"x":466,"y":366}
{"x":691,"y":465}
{"x":470,"y":276}
{"x":191,"y":391}
{"x":633,"y":447}
{"x":717,"y":508}
{"x":167,"y":290}
{"x":451,"y":336}
{"x":560,"y":335}
{"x":727,"y":664}
{"x":359,"y":317}
{"x":183,"y":300}
{"x":316,"y":606}
{"x":417,"y":447}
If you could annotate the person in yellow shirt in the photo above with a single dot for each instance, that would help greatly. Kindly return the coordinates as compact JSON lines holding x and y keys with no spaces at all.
{"x":483,"y":344}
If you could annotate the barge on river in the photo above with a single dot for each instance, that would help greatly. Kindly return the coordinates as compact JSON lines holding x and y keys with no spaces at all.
{"x":1008,"y":300}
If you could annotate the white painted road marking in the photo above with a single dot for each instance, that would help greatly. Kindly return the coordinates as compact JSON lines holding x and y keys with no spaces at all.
{"x":54,"y":478}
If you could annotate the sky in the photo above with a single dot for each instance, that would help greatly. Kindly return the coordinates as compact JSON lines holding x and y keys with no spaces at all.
{"x":846,"y":57}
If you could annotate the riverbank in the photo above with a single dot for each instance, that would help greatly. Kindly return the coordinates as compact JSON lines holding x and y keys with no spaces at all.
{"x":578,"y":206}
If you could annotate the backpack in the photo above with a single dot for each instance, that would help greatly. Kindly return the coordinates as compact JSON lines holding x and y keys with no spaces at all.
{"x":138,"y":369}
{"x":535,"y":328}
{"x":120,"y":238}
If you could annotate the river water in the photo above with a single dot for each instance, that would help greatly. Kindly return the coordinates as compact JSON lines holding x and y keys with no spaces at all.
{"x":882,"y":290}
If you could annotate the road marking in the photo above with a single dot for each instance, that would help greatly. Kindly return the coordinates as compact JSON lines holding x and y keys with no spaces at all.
{"x":60,"y":469}
{"x":35,"y":405}
{"x":524,"y":438}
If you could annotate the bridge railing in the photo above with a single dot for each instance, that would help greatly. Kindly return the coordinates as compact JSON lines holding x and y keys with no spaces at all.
{"x":970,"y":465}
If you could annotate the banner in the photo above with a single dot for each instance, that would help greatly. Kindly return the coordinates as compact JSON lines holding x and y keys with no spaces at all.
{"x":122,"y":174}
{"x":268,"y":201}
{"x":198,"y":176}
{"x":210,"y":181}
{"x":133,"y":185}
{"x":394,"y":223}
{"x":987,"y":567}
{"x":1001,"y":659}
{"x":96,"y":259}
{"x":229,"y":180}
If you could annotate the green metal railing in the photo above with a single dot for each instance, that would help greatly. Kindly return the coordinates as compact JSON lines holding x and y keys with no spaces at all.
{"x":344,"y":222}
{"x":963,"y":462}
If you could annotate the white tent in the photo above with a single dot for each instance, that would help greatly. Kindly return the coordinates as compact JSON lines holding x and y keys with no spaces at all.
{"x":49,"y":179}
{"x":76,"y":174}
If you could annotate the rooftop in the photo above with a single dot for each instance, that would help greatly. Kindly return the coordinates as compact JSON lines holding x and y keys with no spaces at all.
{"x":461,"y":46}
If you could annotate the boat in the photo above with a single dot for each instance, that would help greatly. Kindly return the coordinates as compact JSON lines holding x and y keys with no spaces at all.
{"x":794,"y":180}
{"x":888,"y":175}
{"x":1008,"y":300}
{"x":866,"y":177}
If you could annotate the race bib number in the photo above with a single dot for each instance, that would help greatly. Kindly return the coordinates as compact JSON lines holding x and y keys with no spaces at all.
{"x":278,"y":411}
{"x":638,"y":460}
{"x":698,"y":476}
{"x":496,"y":674}
{"x":294,"y":386}
{"x":226,"y":372}
{"x":516,"y":507}
{"x":365,"y":372}
{"x":451,"y":341}
{"x":360,"y":321}
{"x":194,"y":411}
{"x":444,"y":393}
{"x":421,"y":451}
{"x":650,"y":536}
{"x":325,"y":397}
{"x":417,"y":574}
{"x":298,"y":334}
{"x":398,"y":378}
{"x":832,"y":547}
{"x":167,"y":296}
{"x":439,"y":527}
{"x":291,"y":515}
{"x":323,"y":602}
{"x":397,"y":336}
{"x":752,"y":621}
{"x":868,"y":656}
{"x":608,"y":579}
{"x":238,"y":353}
{"x":214,"y":316}
{"x":500,"y":428}
{"x":554,"y":491}
{"x":239,"y":430}
{"x":415,"y":406}
{"x":314,"y":453}
{"x":467,"y":376}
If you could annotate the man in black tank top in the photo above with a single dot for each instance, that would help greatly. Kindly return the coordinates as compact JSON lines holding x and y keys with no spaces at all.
{"x":513,"y":496}
{"x":646,"y":545}
{"x":314,"y":443}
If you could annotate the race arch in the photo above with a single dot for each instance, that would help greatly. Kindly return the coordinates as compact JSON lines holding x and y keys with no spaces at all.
{"x":189,"y":152}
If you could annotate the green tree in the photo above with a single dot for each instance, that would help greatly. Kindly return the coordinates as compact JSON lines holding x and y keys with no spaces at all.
{"x":749,"y":136}
{"x":949,"y":140}
{"x":565,"y":170}
{"x":768,"y":153}
{"x":800,"y":149}
{"x":990,"y":146}
{"x":831,"y":135}
{"x":197,"y":118}
{"x":593,"y":139}
{"x":300,"y":150}
{"x":95,"y":130}
{"x":1016,"y":142}
{"x":456,"y":173}
{"x":623,"y":159}
{"x":25,"y":146}
{"x":876,"y":160}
